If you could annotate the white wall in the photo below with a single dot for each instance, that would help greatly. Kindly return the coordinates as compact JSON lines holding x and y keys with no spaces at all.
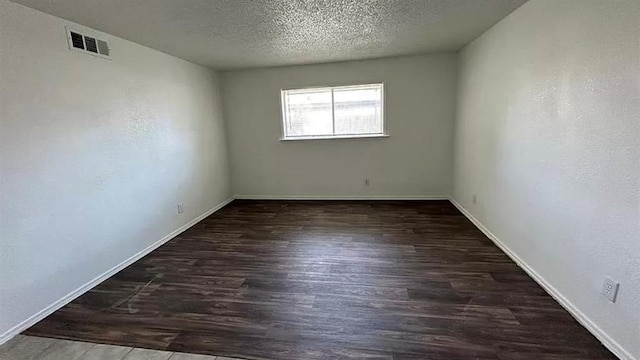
{"x":548,"y":137}
{"x":95,"y":154}
{"x":416,"y":160}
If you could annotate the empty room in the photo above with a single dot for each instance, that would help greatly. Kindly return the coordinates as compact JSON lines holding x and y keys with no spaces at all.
{"x":319,"y":179}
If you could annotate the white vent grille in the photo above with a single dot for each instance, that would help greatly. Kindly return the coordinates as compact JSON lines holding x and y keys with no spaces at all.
{"x":88,"y":44}
{"x":103,"y":47}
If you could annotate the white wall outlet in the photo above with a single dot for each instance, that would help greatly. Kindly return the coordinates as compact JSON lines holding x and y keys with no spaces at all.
{"x":474,"y":198}
{"x":180,"y":208}
{"x":610,"y":289}
{"x":367,"y":182}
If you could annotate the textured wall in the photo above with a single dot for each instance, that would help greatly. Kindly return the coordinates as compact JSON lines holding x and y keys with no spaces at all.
{"x":548,"y":137}
{"x":94,"y":156}
{"x":415,"y":160}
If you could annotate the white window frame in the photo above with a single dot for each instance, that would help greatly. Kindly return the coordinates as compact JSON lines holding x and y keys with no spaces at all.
{"x":284,"y":122}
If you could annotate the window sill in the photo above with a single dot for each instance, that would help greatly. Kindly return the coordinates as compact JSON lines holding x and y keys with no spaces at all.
{"x":305,"y":138}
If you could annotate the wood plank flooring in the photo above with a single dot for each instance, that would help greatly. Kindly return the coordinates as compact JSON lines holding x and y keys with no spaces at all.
{"x":393,"y":280}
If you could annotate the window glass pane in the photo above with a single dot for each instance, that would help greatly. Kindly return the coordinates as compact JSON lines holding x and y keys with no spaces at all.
{"x":358,"y":110}
{"x":309,"y":113}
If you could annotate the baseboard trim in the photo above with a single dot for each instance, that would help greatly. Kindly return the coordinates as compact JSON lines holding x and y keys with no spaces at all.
{"x":606,"y":340}
{"x":32,"y":320}
{"x":594,"y":329}
{"x":341,"y":197}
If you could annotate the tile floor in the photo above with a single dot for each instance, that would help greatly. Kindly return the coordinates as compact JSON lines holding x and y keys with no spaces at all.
{"x":39,"y":348}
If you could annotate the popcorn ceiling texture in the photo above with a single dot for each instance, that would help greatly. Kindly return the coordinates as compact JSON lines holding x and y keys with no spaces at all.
{"x":227,"y":34}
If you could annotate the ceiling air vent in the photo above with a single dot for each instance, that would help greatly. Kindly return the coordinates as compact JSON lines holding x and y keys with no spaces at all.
{"x":91,"y":44}
{"x":103,"y":47}
{"x":76,"y":40}
{"x":87,"y":44}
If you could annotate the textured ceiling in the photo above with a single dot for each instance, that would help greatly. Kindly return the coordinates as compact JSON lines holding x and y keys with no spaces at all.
{"x":230,"y":34}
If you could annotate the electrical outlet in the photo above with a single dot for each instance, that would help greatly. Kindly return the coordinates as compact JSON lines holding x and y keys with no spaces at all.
{"x":180,"y":208}
{"x":474,"y":198}
{"x":367,"y":182}
{"x":610,"y":289}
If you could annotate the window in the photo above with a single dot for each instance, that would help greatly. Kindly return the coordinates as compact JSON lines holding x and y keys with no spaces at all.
{"x":333,"y":112}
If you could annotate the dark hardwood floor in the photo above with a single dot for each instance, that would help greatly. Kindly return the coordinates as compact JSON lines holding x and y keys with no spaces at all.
{"x":329,"y":280}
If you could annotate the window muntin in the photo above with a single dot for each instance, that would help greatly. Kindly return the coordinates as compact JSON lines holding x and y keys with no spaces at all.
{"x":333,"y":112}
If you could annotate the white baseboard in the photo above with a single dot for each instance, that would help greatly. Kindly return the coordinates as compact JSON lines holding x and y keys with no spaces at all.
{"x":610,"y":343}
{"x":32,"y":320}
{"x":604,"y":338}
{"x":341,"y":197}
